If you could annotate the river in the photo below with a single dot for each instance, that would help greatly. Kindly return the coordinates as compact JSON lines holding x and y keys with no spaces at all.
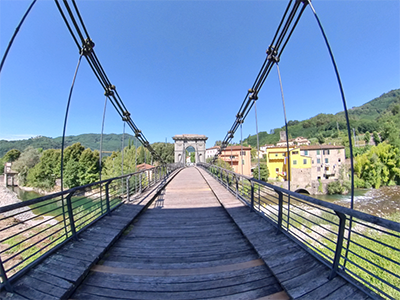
{"x":383,"y":202}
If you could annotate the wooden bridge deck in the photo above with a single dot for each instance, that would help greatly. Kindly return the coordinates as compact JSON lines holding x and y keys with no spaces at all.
{"x":186,"y":245}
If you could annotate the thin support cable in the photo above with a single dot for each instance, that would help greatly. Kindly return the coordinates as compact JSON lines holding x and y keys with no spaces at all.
{"x":258,"y":141}
{"x":241,"y":144}
{"x":63,"y":140}
{"x":347,"y":122}
{"x":101,"y":152}
{"x":287,"y":143}
{"x":15,"y":34}
{"x":122,"y":152}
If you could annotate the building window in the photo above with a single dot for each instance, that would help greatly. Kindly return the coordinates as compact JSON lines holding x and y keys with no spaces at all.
{"x":326,"y":152}
{"x":305,"y":152}
{"x":277,"y":170}
{"x":304,"y":161}
{"x":243,"y":153}
{"x":339,"y":160}
{"x":318,"y":152}
{"x":276,"y":155}
{"x":295,"y":162}
{"x":312,"y":162}
{"x":326,"y":160}
{"x":318,"y":160}
{"x":295,"y":152}
{"x":318,"y":169}
{"x":242,"y":161}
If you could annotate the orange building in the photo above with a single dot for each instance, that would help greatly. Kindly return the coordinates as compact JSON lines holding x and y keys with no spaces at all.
{"x":239,"y":158}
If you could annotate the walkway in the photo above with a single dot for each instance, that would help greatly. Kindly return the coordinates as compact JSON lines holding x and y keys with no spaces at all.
{"x":185,"y":246}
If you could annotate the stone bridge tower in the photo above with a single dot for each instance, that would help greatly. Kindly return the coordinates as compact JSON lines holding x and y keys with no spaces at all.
{"x":183,"y":141}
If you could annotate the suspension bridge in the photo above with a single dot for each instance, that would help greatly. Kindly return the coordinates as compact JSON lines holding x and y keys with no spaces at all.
{"x":203,"y":232}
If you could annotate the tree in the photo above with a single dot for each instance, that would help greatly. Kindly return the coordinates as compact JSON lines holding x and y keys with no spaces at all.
{"x":367,"y":138}
{"x":88,"y":167}
{"x":379,"y":166}
{"x":11,"y":155}
{"x":320,"y":138}
{"x":44,"y":173}
{"x":376,"y":138}
{"x":264,"y":172}
{"x":29,"y":158}
{"x":192,"y":157}
{"x":223,"y":164}
{"x":71,"y":176}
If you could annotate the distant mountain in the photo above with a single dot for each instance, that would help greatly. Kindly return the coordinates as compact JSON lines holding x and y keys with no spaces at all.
{"x":111,"y":142}
{"x":368,"y":117}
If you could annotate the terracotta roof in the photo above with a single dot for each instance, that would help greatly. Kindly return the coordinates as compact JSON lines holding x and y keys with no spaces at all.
{"x":144,"y":167}
{"x":215,"y":147}
{"x":320,"y":147}
{"x":228,"y":148}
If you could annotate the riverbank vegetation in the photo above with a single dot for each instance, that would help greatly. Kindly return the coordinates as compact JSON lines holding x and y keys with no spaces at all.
{"x":41,"y":169}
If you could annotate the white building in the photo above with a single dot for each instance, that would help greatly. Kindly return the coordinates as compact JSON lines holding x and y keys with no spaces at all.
{"x":210,"y":152}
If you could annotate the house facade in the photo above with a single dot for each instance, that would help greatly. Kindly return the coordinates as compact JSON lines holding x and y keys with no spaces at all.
{"x":326,"y":160}
{"x":239,"y":158}
{"x":277,"y":163}
{"x":210,"y":152}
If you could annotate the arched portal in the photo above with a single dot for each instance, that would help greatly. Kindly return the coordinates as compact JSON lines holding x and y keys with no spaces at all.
{"x":302,"y":191}
{"x":183,"y":141}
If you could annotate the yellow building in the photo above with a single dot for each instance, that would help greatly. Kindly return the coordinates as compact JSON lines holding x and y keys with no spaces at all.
{"x":277,"y":162}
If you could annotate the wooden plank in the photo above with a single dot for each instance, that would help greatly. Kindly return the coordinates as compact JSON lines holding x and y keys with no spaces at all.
{"x":107,"y":281}
{"x":324,"y":290}
{"x":178,"y":272}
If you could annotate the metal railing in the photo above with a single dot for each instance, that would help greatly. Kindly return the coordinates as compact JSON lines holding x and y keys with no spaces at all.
{"x":351,"y":243}
{"x":33,"y":229}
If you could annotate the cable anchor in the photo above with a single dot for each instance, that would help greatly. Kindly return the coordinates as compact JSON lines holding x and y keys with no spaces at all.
{"x":110,"y":90}
{"x":272,"y":54}
{"x":254,"y":95}
{"x":87,"y":47}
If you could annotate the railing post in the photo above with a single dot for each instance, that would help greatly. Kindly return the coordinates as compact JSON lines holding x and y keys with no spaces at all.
{"x":4,"y":278}
{"x":140,"y":183}
{"x":339,"y":244}
{"x":227,"y":180}
{"x":252,"y":195}
{"x":108,"y":197}
{"x":280,"y":210}
{"x":128,"y":188}
{"x":237,"y":187}
{"x":71,"y":216}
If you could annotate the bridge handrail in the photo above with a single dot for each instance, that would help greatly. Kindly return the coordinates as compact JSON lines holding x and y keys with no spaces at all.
{"x":61,"y":217}
{"x":353,"y":244}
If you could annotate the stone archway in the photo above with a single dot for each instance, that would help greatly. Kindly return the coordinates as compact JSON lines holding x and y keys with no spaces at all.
{"x":183,"y":141}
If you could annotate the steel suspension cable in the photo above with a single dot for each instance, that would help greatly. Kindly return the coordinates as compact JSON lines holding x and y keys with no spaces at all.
{"x":87,"y":50}
{"x":101,"y":152}
{"x":288,"y":171}
{"x":15,"y":34}
{"x":282,"y":35}
{"x":63,"y":139}
{"x":347,"y":123}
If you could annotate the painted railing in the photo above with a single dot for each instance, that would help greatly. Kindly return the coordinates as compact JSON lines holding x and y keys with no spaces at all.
{"x":32,"y":230}
{"x":353,"y":244}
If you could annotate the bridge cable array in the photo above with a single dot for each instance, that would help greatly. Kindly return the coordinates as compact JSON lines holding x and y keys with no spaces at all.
{"x":85,"y":45}
{"x":288,"y":23}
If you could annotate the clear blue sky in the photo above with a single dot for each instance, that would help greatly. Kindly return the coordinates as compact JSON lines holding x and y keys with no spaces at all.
{"x":185,"y":66}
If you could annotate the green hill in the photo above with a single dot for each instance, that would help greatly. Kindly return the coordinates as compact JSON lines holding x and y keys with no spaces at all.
{"x":111,"y":142}
{"x":369,"y":117}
